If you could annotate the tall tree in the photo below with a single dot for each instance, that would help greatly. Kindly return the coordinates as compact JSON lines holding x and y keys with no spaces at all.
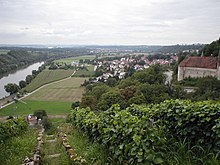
{"x":29,"y":79}
{"x":11,"y":88}
{"x":110,"y":98}
{"x":22,"y":84}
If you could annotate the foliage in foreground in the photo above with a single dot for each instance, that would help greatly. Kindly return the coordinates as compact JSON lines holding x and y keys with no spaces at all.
{"x":14,"y":150}
{"x":127,"y":138}
{"x":197,"y":122}
{"x":144,"y":134}
{"x":11,"y":128}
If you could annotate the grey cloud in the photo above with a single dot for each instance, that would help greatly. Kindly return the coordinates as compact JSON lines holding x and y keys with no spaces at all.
{"x":107,"y":22}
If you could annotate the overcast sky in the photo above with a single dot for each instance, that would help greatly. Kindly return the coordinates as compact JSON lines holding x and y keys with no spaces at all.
{"x":148,"y":22}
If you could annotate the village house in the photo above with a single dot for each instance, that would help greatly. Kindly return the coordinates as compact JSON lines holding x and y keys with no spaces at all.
{"x":199,"y":67}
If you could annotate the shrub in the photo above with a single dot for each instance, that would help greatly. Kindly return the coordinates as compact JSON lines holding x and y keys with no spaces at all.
{"x":40,"y":114}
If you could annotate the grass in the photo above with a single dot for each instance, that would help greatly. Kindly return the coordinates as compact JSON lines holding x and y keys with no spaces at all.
{"x":52,"y":108}
{"x":70,"y":60}
{"x":180,"y":153}
{"x":47,"y":76}
{"x":14,"y":150}
{"x":85,"y":73}
{"x":68,"y":90}
{"x":93,"y":153}
{"x":50,"y":148}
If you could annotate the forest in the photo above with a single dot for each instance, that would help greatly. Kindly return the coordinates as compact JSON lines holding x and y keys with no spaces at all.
{"x":16,"y":58}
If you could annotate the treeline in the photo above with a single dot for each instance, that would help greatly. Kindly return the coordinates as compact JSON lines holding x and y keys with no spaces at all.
{"x":17,"y":58}
{"x":180,"y":48}
{"x":146,"y":87}
{"x":143,"y":87}
{"x":13,"y":88}
{"x":212,"y":49}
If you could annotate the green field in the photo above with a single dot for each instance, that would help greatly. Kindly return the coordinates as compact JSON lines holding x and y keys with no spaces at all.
{"x":70,"y":60}
{"x":54,"y":108}
{"x":68,"y":90}
{"x":47,"y":76}
{"x":85,"y":73}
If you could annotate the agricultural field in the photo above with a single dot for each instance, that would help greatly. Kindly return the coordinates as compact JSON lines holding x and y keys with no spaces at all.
{"x":76,"y":59}
{"x":55,"y":98}
{"x":68,"y":90}
{"x":89,"y":72}
{"x":52,"y":108}
{"x":48,"y":76}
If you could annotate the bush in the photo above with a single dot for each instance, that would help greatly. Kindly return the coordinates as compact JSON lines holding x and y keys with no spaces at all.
{"x":46,"y":123}
{"x":40,"y":114}
{"x":197,"y":122}
{"x":136,"y":135}
{"x":129,"y":139}
{"x":12,"y":127}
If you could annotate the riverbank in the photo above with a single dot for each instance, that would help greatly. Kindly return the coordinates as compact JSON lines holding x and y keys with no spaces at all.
{"x":6,"y":100}
{"x":16,"y":77}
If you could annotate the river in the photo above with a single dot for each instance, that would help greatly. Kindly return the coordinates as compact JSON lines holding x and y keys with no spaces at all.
{"x":16,"y":77}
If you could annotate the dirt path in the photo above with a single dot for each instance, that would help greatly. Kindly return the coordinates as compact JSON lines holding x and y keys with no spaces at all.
{"x":54,"y":152}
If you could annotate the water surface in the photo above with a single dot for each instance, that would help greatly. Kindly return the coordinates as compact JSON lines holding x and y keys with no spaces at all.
{"x":16,"y":77}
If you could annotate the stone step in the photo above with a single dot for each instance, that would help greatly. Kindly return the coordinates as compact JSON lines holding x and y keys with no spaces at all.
{"x":49,"y":135}
{"x":52,"y":156}
{"x":52,"y":140}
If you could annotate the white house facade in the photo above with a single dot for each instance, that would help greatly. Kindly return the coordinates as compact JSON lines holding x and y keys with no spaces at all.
{"x":199,"y":67}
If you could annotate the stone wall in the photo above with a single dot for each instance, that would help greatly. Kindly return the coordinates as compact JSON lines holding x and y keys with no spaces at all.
{"x":184,"y":72}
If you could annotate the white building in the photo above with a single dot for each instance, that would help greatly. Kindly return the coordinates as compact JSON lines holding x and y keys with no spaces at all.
{"x":199,"y":67}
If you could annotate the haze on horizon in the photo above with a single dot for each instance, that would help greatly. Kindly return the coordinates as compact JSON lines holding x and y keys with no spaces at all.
{"x":114,"y":22}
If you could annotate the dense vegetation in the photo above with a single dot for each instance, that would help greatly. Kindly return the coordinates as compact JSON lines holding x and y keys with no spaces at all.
{"x":148,"y":134}
{"x":14,"y":150}
{"x":18,"y":57}
{"x":206,"y":88}
{"x":11,"y":128}
{"x":212,"y":49}
{"x":147,"y":86}
{"x":15,"y":59}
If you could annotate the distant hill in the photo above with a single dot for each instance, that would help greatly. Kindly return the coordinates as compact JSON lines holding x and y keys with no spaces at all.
{"x":212,"y":49}
{"x":181,"y":48}
{"x":141,"y":48}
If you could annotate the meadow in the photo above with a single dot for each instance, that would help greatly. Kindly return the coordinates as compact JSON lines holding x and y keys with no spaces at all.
{"x":47,"y":76}
{"x":52,"y":108}
{"x":68,"y":90}
{"x":76,"y":59}
{"x":85,"y":73}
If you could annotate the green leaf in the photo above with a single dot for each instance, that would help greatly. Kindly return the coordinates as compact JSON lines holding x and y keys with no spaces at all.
{"x":158,"y":160}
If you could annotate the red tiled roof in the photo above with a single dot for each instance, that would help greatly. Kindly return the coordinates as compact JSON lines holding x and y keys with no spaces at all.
{"x":200,"y":62}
